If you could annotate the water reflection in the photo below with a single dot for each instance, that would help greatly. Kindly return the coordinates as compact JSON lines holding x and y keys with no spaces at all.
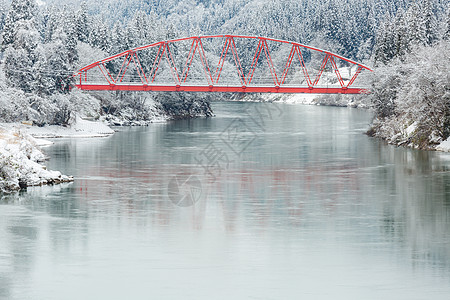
{"x":311,"y":192}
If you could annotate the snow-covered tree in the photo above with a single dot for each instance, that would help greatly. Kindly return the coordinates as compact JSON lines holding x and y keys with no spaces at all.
{"x":98,"y":36}
{"x":20,"y":39}
{"x":414,"y":92}
{"x":117,"y":41}
{"x":385,"y":47}
{"x":21,"y":16}
{"x":82,"y":23}
{"x":425,"y":90}
{"x":3,"y":13}
{"x":43,"y":84}
{"x":447,"y":25}
{"x":429,"y":22}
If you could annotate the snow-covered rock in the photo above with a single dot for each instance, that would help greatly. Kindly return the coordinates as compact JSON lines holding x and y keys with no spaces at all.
{"x":19,"y":163}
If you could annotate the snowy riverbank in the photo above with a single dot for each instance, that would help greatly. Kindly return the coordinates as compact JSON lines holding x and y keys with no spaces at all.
{"x":21,"y":154}
{"x":325,"y":100}
{"x":79,"y":129}
{"x":396,"y":132}
{"x":20,"y":158}
{"x":411,"y":103}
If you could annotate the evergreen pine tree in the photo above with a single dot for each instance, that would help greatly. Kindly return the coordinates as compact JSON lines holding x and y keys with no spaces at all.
{"x":3,"y":12}
{"x":20,"y":16}
{"x":71,"y":37}
{"x":118,"y":42}
{"x":98,"y":36}
{"x":428,"y":22}
{"x":20,"y":39}
{"x":385,"y":43}
{"x":447,"y":25}
{"x":42,"y":83}
{"x":61,"y":59}
{"x":82,"y":23}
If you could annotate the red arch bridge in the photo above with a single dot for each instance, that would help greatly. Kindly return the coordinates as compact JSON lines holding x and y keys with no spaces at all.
{"x":224,"y":63}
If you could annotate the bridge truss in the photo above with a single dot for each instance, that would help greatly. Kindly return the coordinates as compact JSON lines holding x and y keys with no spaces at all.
{"x":224,"y":63}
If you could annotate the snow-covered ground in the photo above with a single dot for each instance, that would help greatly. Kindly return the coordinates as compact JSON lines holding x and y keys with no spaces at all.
{"x":80,"y":129}
{"x":325,"y":100}
{"x":20,"y":158}
{"x":444,"y":146}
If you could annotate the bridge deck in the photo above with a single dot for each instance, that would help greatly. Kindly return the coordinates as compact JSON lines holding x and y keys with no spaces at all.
{"x":222,"y":88}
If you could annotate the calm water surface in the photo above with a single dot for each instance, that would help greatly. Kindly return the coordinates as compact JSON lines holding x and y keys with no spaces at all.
{"x":290,"y":202}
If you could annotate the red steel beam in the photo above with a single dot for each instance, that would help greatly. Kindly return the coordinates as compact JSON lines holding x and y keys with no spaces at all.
{"x":270,"y":63}
{"x":188,"y":63}
{"x":237,"y":62}
{"x":105,"y":73}
{"x":322,"y":68}
{"x":201,"y":52}
{"x":336,"y":70}
{"x":122,"y":69}
{"x":254,"y":62}
{"x":137,"y":69}
{"x":223,"y":56}
{"x":288,"y":65}
{"x":173,"y":67}
{"x":210,"y":88}
{"x":354,"y":76}
{"x":303,"y":65}
{"x":157,"y":62}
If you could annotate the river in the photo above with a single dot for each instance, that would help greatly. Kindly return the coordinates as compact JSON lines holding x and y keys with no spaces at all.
{"x":263,"y":201}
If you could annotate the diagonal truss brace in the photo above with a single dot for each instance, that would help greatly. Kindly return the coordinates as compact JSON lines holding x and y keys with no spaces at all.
{"x":336,"y":70}
{"x":262,"y":45}
{"x":229,"y":43}
{"x":219,"y":68}
{"x":139,"y":68}
{"x":322,"y":68}
{"x":355,"y":76}
{"x":295,"y":50}
{"x":164,"y":50}
{"x":106,"y":73}
{"x":197,"y":46}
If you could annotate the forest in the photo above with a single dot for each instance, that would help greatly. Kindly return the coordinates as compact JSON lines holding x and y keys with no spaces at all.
{"x":44,"y":42}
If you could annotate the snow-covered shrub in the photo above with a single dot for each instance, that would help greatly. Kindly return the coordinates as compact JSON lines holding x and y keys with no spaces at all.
{"x":88,"y":54}
{"x":187,"y":105}
{"x":385,"y":85}
{"x":9,"y":174}
{"x":124,"y":108}
{"x":13,"y":105}
{"x":84,"y":104}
